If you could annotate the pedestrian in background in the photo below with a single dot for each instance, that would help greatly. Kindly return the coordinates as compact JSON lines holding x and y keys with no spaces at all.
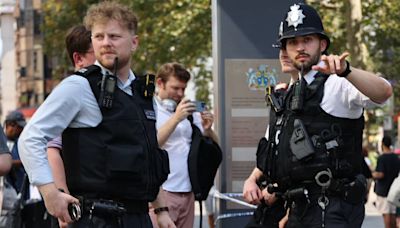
{"x":387,"y":169}
{"x":6,"y":202}
{"x":175,"y":136}
{"x":14,"y":124}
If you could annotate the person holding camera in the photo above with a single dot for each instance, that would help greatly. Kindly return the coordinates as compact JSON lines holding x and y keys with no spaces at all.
{"x":112,"y":162}
{"x":174,"y":135}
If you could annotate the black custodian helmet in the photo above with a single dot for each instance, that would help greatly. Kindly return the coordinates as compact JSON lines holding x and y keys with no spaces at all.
{"x":301,"y":20}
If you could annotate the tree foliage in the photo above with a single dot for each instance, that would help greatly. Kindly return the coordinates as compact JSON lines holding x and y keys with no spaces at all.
{"x":175,"y":30}
{"x":382,"y":26}
{"x":374,"y":39}
{"x":59,"y":16}
{"x":379,"y":27}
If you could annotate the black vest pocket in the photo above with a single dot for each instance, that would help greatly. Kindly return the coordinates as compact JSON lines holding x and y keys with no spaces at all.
{"x":126,"y":163}
{"x":161,"y":166}
{"x":262,"y":153}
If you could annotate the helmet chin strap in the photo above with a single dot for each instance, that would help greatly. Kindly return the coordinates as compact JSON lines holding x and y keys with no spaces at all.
{"x":301,"y":73}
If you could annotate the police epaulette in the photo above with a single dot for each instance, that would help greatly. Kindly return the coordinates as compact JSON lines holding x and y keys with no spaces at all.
{"x":86,"y":71}
{"x":145,"y":84}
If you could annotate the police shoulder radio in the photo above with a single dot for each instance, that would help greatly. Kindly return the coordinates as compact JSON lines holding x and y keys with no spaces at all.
{"x":107,"y":88}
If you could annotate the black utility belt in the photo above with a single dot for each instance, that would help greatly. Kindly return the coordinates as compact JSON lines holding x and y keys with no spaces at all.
{"x":106,"y":207}
{"x":351,"y":190}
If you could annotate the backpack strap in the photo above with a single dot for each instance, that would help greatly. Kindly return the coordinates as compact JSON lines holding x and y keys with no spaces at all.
{"x":193,"y":170}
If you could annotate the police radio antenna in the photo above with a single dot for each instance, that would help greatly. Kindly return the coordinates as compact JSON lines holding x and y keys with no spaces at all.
{"x":115,"y":66}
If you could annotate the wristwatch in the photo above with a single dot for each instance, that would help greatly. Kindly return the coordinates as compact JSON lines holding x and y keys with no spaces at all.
{"x":160,"y":209}
{"x":345,"y":72}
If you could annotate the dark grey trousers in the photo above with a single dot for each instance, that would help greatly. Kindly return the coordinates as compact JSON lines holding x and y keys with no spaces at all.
{"x":338,"y":214}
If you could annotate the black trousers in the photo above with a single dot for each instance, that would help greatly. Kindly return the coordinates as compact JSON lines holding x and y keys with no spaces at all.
{"x":136,"y":220}
{"x":338,"y":214}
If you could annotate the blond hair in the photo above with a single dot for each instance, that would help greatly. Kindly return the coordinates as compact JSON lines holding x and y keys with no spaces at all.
{"x":105,"y":11}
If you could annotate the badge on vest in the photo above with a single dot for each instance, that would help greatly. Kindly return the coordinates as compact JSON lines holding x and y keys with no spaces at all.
{"x":150,"y":114}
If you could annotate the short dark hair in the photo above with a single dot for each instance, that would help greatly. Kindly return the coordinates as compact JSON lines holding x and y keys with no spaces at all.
{"x":387,"y":141}
{"x":173,"y":69}
{"x":77,"y":40}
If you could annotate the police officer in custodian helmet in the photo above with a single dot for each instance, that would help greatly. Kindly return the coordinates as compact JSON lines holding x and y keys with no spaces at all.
{"x":311,"y":157}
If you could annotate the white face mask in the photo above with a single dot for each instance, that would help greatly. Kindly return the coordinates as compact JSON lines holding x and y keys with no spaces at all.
{"x":169,"y":104}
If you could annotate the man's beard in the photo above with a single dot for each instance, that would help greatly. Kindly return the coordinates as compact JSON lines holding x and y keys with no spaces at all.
{"x":305,"y":67}
{"x":109,"y":64}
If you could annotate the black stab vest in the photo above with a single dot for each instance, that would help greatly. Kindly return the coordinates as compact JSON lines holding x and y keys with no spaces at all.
{"x":118,"y":159}
{"x":282,"y":167}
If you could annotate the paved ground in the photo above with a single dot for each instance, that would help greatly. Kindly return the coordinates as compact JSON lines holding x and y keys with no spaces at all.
{"x":372,"y":218}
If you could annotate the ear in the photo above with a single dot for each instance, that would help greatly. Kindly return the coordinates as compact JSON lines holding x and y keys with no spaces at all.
{"x":77,"y":59}
{"x":323,"y":44}
{"x":135,"y":42}
{"x":159,"y":82}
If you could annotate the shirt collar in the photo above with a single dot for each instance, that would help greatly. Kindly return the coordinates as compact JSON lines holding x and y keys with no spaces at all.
{"x":310,"y":76}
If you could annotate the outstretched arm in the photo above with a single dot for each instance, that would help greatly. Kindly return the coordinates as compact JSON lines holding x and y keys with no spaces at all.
{"x":371,"y":85}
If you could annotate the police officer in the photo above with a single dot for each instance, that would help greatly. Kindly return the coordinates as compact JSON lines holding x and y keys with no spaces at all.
{"x":110,"y":152}
{"x":312,"y":157}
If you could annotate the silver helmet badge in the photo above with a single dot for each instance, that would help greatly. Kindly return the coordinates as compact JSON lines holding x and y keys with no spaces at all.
{"x":295,"y":16}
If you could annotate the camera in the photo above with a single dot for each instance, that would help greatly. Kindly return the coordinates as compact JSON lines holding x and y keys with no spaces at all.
{"x":200,"y":106}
